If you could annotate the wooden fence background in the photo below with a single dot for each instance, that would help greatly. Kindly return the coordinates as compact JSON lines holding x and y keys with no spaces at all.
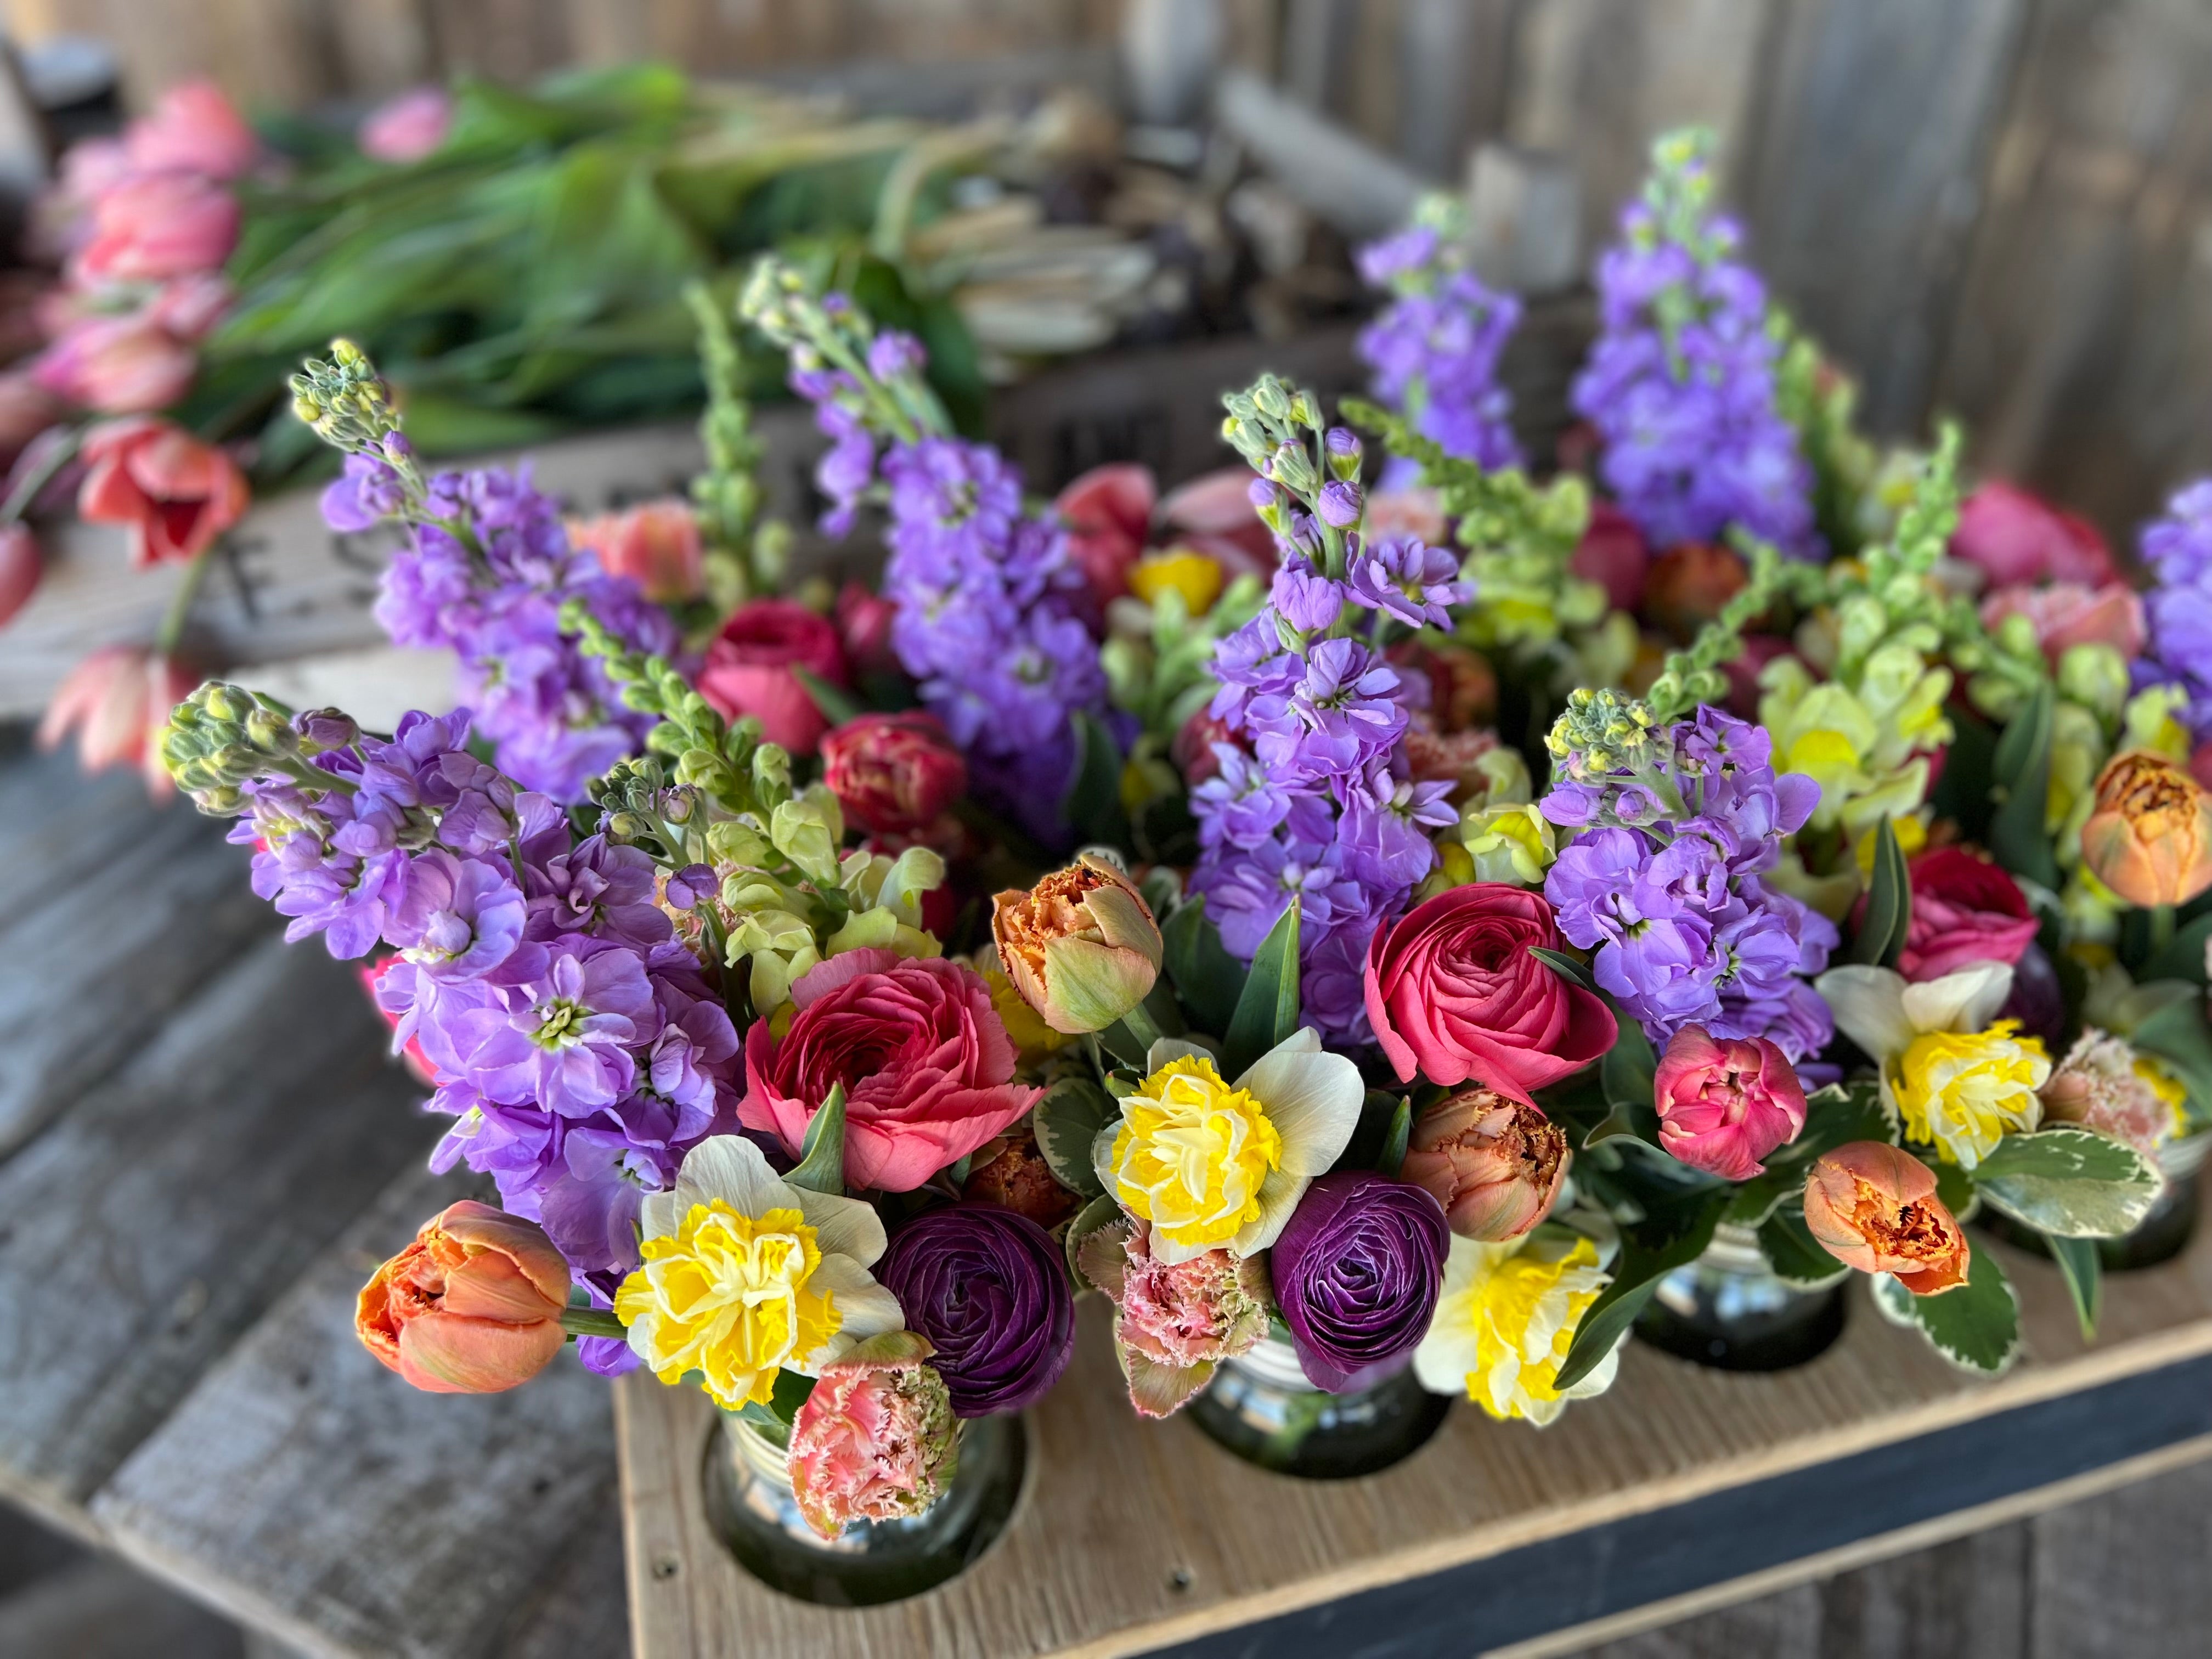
{"x":2001,"y":209}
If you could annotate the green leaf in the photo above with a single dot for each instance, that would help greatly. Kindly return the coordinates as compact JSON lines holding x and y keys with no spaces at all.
{"x":1119,"y":1041}
{"x":2082,"y":1269}
{"x":1565,"y":966}
{"x":2021,"y":774}
{"x":2183,"y":957}
{"x":1268,"y":1009}
{"x":2176,"y":1034}
{"x":1834,"y":1116}
{"x":1207,"y":978}
{"x":1670,"y":1235}
{"x":1395,"y":1138}
{"x":1791,"y":1250}
{"x":837,"y":705}
{"x":1975,"y":1326}
{"x":1100,"y":1212}
{"x":1889,"y":904}
{"x":2069,"y":1182}
{"x":822,"y":1154}
{"x":1066,"y":1121}
{"x":791,"y":1392}
{"x":1093,"y":806}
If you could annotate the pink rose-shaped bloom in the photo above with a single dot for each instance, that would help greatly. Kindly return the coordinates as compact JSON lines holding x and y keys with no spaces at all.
{"x":863,"y":619}
{"x":163,"y":225}
{"x":1965,"y":909}
{"x":2066,"y":614}
{"x":928,"y":1066}
{"x":409,"y":127}
{"x":118,"y":365}
{"x":876,"y":1439}
{"x":116,"y":700}
{"x":1724,"y":1106}
{"x":175,"y":493}
{"x":1455,"y":994}
{"x":1495,"y":1165}
{"x":1108,"y":513}
{"x":893,"y":774}
{"x":749,"y":670}
{"x":21,"y":567}
{"x":193,"y":129}
{"x":1613,"y":554}
{"x":2017,"y":538}
{"x":655,"y":543}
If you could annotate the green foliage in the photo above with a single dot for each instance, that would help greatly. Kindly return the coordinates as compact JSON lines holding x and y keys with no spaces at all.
{"x":1093,"y":806}
{"x":1628,"y":1074}
{"x":1791,"y":1251}
{"x":1975,"y":1326}
{"x":1208,"y":980}
{"x":1888,"y":915}
{"x":1066,"y":1121}
{"x":2175,"y":1033}
{"x":1673,"y":1232}
{"x":821,"y":1166}
{"x":1401,"y":1130}
{"x":2083,"y":1270}
{"x":2069,"y":1182}
{"x":1267,"y":1007}
{"x":2021,"y":778}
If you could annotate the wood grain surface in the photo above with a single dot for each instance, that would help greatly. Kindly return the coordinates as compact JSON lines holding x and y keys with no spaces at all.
{"x":1137,"y":1535}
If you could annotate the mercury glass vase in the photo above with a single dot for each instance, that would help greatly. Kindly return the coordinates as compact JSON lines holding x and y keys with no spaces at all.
{"x":2161,"y":1235}
{"x":1730,"y":1310}
{"x":751,"y":1506}
{"x":1261,"y":1407}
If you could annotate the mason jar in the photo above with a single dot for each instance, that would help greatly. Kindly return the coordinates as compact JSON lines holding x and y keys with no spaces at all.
{"x":1728,"y":1309}
{"x":751,"y":1506}
{"x":1261,"y":1407}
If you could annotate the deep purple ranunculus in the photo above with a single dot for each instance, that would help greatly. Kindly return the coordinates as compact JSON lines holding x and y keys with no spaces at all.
{"x":1357,"y":1276}
{"x":988,"y":1288}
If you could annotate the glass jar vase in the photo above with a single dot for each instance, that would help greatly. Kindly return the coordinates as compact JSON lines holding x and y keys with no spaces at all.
{"x":751,"y":1506}
{"x":1728,"y":1309}
{"x":2162,"y":1234}
{"x":1261,"y":1407}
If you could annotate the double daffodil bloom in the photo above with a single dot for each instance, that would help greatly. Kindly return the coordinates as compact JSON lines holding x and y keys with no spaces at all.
{"x":746,"y":1274}
{"x":1955,"y":1081}
{"x":1212,"y":1164}
{"x":1505,"y":1320}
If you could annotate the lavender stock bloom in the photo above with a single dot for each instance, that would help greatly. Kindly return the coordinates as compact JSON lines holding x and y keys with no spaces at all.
{"x":1434,"y":350}
{"x":2178,"y":549}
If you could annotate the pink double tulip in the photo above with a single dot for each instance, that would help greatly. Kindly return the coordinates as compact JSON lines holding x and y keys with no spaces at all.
{"x":193,"y":129}
{"x":127,"y":365}
{"x":1723,"y":1106}
{"x":150,"y":229}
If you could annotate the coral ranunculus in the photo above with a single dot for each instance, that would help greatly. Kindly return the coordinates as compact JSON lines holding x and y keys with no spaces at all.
{"x":1725,"y":1105}
{"x":894,"y":774}
{"x":1455,"y":993}
{"x":174,"y":492}
{"x":2150,"y":837}
{"x":749,"y":670}
{"x":472,"y":1306}
{"x":655,"y":543}
{"x":928,"y":1066}
{"x":2068,"y":614}
{"x":1965,"y":909}
{"x":1873,"y":1206}
{"x":876,"y":1440}
{"x":1495,"y":1165}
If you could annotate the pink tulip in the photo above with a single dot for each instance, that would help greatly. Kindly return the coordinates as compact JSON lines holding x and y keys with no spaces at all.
{"x":21,"y":567}
{"x":189,"y":306}
{"x":2017,"y":537}
{"x":1495,"y":1165}
{"x":654,"y":544}
{"x":193,"y":129}
{"x":116,"y":700}
{"x":163,"y":225}
{"x":1724,"y":1106}
{"x":1108,"y":515}
{"x":2068,"y":614}
{"x":176,"y":494}
{"x":409,"y":127}
{"x":126,"y":365}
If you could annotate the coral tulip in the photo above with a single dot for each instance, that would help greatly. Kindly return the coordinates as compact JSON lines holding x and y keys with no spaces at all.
{"x":1081,"y":947}
{"x":472,"y":1306}
{"x":175,"y":493}
{"x":2150,"y":837}
{"x":1873,"y":1207}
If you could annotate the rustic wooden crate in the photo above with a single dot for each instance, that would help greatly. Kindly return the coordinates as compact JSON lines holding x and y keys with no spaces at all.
{"x":1681,"y":1488}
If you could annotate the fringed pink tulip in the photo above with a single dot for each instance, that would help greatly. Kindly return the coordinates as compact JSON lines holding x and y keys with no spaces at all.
{"x":876,"y":1440}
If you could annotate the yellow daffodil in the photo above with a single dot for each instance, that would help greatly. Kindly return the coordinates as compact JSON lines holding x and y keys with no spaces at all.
{"x":745,"y":1275}
{"x":1956,"y":1081}
{"x":1211,"y":1163}
{"x":1504,"y":1321}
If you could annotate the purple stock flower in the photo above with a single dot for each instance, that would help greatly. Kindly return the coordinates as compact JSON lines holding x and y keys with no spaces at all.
{"x":565,"y":1019}
{"x":598,"y":888}
{"x":459,"y":918}
{"x":1416,"y":583}
{"x":1357,"y":1273}
{"x":988,"y":1288}
{"x":1434,"y":350}
{"x":2178,"y":610}
{"x":366,"y":494}
{"x":1304,"y":597}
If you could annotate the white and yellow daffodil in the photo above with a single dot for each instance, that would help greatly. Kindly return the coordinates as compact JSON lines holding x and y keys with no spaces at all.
{"x":1955,"y":1080}
{"x":1505,"y":1320}
{"x":1212,"y":1164}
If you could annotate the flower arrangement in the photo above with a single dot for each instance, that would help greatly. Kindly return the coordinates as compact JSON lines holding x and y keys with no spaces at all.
{"x":832,"y":999}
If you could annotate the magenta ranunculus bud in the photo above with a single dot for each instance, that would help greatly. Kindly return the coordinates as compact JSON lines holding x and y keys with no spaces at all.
{"x":1723,"y":1106}
{"x":1357,"y":1274}
{"x":989,"y":1289}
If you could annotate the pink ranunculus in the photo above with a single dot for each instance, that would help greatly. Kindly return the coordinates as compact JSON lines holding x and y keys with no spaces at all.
{"x":1108,"y":515}
{"x":655,"y":543}
{"x":116,"y":700}
{"x":128,"y":365}
{"x":21,"y":567}
{"x":409,"y":127}
{"x":749,"y":670}
{"x":1965,"y":909}
{"x":163,"y":225}
{"x":893,"y":774}
{"x":175,"y":493}
{"x":1455,"y":993}
{"x":1723,"y":1106}
{"x":1216,"y":504}
{"x":863,"y":619}
{"x":877,"y":1439}
{"x":1613,"y":553}
{"x":193,"y":129}
{"x":2016,"y":537}
{"x":928,"y":1066}
{"x":2066,"y":614}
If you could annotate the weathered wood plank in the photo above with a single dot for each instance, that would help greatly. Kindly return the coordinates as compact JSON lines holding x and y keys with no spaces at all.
{"x":2124,"y":1577}
{"x":156,"y":1221}
{"x":311,"y":1493}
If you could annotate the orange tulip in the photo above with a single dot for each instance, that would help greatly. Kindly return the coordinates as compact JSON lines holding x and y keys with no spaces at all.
{"x":1873,"y":1207}
{"x":472,"y":1306}
{"x":2150,"y":837}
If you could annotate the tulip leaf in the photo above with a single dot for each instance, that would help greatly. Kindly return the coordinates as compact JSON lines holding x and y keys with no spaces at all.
{"x":1092,"y":808}
{"x":2183,"y":955}
{"x":791,"y":1391}
{"x":1889,"y":913}
{"x":2020,"y":774}
{"x":1100,"y":1212}
{"x":821,"y":1166}
{"x":1267,"y":1008}
{"x":837,"y":704}
{"x":1627,"y":1075}
{"x":1975,"y":1326}
{"x":1791,"y":1250}
{"x":2083,"y":1270}
{"x":1066,"y":1121}
{"x":1207,"y":978}
{"x":1574,"y":972}
{"x":2069,"y":1182}
{"x":1673,"y":1232}
{"x":2176,"y":1034}
{"x":1394,"y":1138}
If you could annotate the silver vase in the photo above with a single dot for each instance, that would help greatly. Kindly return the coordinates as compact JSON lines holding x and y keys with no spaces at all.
{"x":1728,"y":1309}
{"x":1261,"y":1407}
